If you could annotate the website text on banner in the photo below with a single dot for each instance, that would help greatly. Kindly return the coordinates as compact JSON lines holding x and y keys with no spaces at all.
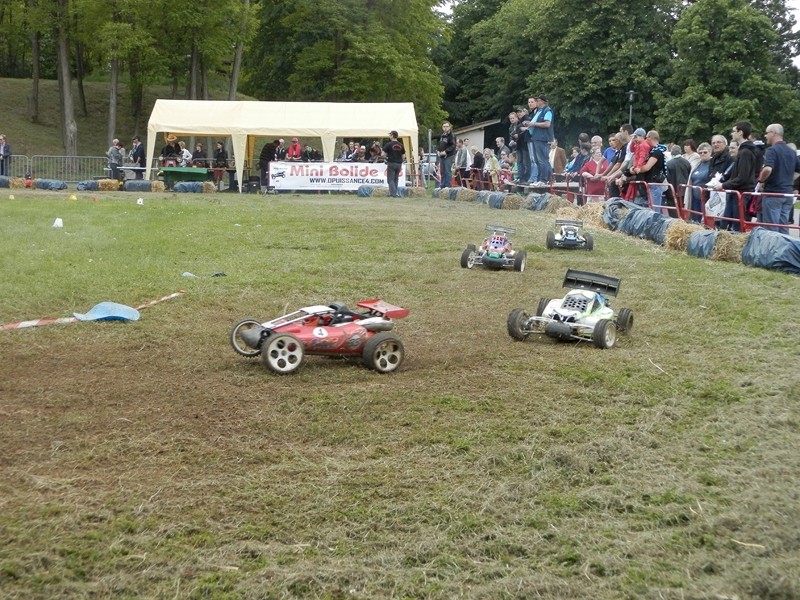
{"x":328,"y":176}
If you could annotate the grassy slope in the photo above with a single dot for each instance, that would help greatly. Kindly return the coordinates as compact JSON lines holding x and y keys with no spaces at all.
{"x":44,"y":137}
{"x":148,"y":460}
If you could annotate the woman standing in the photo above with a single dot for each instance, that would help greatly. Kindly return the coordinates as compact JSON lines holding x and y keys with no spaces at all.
{"x":492,"y":167}
{"x":699,"y":176}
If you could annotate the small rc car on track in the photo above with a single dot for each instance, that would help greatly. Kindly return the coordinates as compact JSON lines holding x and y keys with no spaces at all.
{"x":332,"y":330}
{"x":569,"y":236}
{"x":496,"y":251}
{"x":583,"y":314}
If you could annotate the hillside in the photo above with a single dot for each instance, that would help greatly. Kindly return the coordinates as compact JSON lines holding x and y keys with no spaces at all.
{"x":44,"y":137}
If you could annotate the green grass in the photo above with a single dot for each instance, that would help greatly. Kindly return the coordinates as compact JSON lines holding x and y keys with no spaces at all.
{"x":146,"y":459}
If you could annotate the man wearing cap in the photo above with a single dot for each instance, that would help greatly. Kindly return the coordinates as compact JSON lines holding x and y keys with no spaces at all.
{"x":541,"y":134}
{"x":171,"y":152}
{"x":394,"y":152}
{"x":295,"y":150}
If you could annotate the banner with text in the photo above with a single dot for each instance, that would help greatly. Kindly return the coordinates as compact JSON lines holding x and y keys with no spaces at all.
{"x":328,"y":176}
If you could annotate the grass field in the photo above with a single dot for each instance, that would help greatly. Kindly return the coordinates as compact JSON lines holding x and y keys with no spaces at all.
{"x":148,"y":460}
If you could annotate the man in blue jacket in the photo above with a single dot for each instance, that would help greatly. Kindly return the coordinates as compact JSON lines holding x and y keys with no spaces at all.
{"x":541,"y":132}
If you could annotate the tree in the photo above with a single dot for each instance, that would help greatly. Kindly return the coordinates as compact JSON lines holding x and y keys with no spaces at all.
{"x":347,"y":50}
{"x":724,"y":70}
{"x":69,"y":129}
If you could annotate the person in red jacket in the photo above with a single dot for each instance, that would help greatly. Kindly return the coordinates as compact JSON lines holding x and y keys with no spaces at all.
{"x":295,"y":150}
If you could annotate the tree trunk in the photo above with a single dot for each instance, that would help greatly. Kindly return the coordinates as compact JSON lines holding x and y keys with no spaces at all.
{"x":80,"y":72}
{"x":33,"y":99}
{"x":193,"y":73}
{"x":237,"y":58}
{"x":112,"y":100}
{"x":69,"y":129}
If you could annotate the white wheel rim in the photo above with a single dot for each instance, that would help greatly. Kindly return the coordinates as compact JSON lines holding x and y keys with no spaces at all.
{"x":387,"y":356}
{"x":284,"y":354}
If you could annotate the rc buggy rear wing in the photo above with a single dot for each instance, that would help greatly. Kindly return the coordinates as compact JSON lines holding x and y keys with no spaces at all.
{"x":602,"y":284}
{"x":379,"y":307}
{"x":498,"y":229}
{"x":568,"y":222}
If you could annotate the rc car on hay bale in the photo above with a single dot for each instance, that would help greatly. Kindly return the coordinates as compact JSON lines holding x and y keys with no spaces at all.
{"x":584,"y":314}
{"x":569,"y":236}
{"x":332,"y":330}
{"x":496,"y":251}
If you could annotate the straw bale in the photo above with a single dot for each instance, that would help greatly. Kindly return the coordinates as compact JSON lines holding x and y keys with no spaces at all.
{"x":209,"y":187}
{"x":568,"y":212}
{"x":466,"y":195}
{"x":108,"y":185}
{"x":16,"y":183}
{"x":416,"y":192}
{"x":158,"y":186}
{"x":380,"y":192}
{"x":729,"y":246}
{"x":512,"y":202}
{"x":556,"y":202}
{"x":592,"y":214}
{"x":678,"y":234}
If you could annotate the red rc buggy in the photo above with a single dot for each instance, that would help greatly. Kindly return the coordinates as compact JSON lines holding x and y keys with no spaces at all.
{"x":332,"y":330}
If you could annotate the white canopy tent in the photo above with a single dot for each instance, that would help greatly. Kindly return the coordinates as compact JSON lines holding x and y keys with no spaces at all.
{"x":245,"y":120}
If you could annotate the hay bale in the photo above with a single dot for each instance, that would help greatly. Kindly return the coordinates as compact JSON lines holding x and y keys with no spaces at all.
{"x":380,"y":192}
{"x":592,"y":214}
{"x":556,"y":202}
{"x":416,"y":192}
{"x":466,"y":195}
{"x":678,"y":234}
{"x":729,"y":246}
{"x":158,"y":186}
{"x":108,"y":185}
{"x":17,"y":183}
{"x":209,"y":187}
{"x":512,"y":202}
{"x":568,"y":212}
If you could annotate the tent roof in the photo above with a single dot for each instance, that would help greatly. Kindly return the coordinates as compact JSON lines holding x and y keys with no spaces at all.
{"x":266,"y":119}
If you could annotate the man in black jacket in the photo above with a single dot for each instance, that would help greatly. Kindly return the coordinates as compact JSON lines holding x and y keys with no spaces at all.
{"x":742,"y":178}
{"x":267,"y":156}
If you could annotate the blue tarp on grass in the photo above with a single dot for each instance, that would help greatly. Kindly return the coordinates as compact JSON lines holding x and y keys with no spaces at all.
{"x":772,"y":250}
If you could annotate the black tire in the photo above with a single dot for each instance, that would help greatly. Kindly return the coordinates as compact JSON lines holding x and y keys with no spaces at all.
{"x":551,"y":240}
{"x":467,"y":255}
{"x":520,"y":260}
{"x":589,"y":241}
{"x":605,"y":334}
{"x":238,"y":343}
{"x":543,"y":302}
{"x":625,"y":321}
{"x":282,"y":353}
{"x":383,"y":352}
{"x":516,"y":322}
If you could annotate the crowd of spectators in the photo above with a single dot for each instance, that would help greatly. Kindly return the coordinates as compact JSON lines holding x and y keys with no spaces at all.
{"x":739,"y":172}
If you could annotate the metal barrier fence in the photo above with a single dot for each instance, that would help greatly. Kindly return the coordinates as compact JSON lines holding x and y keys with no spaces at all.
{"x":70,"y":169}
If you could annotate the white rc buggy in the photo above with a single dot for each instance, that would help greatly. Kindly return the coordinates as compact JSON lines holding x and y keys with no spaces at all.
{"x":584,"y":314}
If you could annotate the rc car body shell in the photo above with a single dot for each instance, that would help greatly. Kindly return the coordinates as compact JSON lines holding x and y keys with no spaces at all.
{"x":583,"y":314}
{"x":569,"y":236}
{"x":496,"y":252}
{"x":332,"y":330}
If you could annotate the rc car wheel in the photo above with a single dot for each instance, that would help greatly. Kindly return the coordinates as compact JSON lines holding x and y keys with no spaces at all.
{"x":519,"y":261}
{"x":516,"y":324}
{"x":543,"y":302}
{"x":625,"y":320}
{"x":282,"y":353}
{"x":604,"y":334}
{"x":551,"y":240}
{"x":383,"y":353}
{"x":236,"y":338}
{"x":589,"y":241}
{"x":468,"y":257}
